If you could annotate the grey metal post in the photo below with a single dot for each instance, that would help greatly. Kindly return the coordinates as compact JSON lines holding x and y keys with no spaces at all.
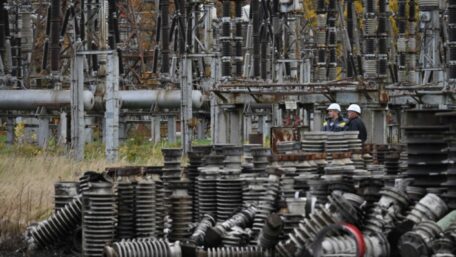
{"x":10,"y":125}
{"x":77,"y":106}
{"x":155,"y":129}
{"x":43,"y":129}
{"x":201,"y":128}
{"x":186,"y":105}
{"x":112,"y":108}
{"x":63,"y":131}
{"x":171,"y":128}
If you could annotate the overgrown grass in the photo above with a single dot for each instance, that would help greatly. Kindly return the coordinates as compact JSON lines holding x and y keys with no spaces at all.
{"x":28,"y":174}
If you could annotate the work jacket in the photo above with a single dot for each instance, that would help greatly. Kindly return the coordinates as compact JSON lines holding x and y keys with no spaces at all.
{"x":357,"y":124}
{"x":340,"y":124}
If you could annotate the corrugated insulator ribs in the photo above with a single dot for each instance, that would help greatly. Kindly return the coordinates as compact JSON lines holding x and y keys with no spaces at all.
{"x":238,"y":38}
{"x":254,"y":9}
{"x":55,"y":23}
{"x":226,"y":39}
{"x":164,"y":19}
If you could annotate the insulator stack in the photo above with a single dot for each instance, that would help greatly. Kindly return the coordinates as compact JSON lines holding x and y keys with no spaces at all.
{"x":430,"y":207}
{"x":146,"y":207}
{"x":377,"y":245}
{"x":332,"y":40}
{"x":370,"y":39}
{"x":236,"y":251}
{"x":341,"y":210}
{"x":418,"y":241}
{"x":98,"y":219}
{"x":87,"y":179}
{"x":199,"y":234}
{"x":241,"y":219}
{"x":267,"y":202}
{"x":181,"y":212}
{"x":55,"y":35}
{"x":369,"y":188}
{"x":321,"y":44}
{"x":411,"y":42}
{"x":260,"y":159}
{"x":207,"y":191}
{"x":383,"y":216}
{"x":143,"y":247}
{"x":196,"y":156}
{"x":171,"y":168}
{"x":270,"y":232}
{"x":450,"y":195}
{"x":59,"y":225}
{"x":424,"y":148}
{"x":383,"y":43}
{"x":229,"y":193}
{"x":65,"y":191}
{"x":451,"y":43}
{"x":125,"y":191}
{"x":164,"y":19}
{"x":238,"y":59}
{"x":155,"y":174}
{"x":226,"y":39}
{"x":255,"y":8}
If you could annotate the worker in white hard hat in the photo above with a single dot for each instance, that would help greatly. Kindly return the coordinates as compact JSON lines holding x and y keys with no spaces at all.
{"x":335,"y":122}
{"x":355,"y":123}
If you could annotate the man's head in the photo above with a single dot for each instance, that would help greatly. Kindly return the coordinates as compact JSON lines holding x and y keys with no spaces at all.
{"x":334,"y":111}
{"x":353,"y":111}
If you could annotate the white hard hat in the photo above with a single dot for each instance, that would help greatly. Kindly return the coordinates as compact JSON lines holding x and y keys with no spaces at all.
{"x":354,"y":108}
{"x":334,"y":106}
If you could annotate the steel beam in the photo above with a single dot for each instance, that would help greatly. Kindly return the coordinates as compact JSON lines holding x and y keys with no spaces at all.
{"x":112,"y":108}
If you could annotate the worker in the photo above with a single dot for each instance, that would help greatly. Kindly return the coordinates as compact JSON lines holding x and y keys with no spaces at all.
{"x":335,"y":122}
{"x":355,"y":123}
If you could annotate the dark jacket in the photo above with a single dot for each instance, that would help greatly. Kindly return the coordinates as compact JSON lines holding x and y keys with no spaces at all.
{"x":340,"y":124}
{"x":357,"y":124}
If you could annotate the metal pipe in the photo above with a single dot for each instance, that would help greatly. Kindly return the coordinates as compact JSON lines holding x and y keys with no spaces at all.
{"x":161,"y":98}
{"x":31,"y":99}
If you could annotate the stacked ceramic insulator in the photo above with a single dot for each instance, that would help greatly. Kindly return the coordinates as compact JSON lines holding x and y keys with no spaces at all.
{"x":376,"y":245}
{"x":199,"y":234}
{"x":196,"y":156}
{"x":181,"y":212}
{"x":415,"y":193}
{"x":318,"y":188}
{"x":418,"y":241}
{"x":229,"y":193}
{"x":267,"y":203}
{"x":237,"y":236}
{"x":260,"y":160}
{"x":294,"y":213}
{"x":430,"y":207}
{"x":451,"y":43}
{"x":87,"y":178}
{"x":382,"y":217}
{"x":340,"y":210}
{"x":247,"y":158}
{"x":171,"y":168}
{"x":143,"y":247}
{"x":207,"y":191}
{"x":379,"y":153}
{"x":252,"y":251}
{"x":356,"y":149}
{"x":59,"y":225}
{"x":271,"y":231}
{"x":424,"y":147}
{"x":98,"y":219}
{"x":65,"y":191}
{"x":240,"y":220}
{"x":450,"y":138}
{"x":369,"y":187}
{"x":146,"y":208}
{"x":320,"y":73}
{"x":287,"y":146}
{"x":392,"y":163}
{"x":339,"y":173}
{"x":370,"y":38}
{"x":154,"y":174}
{"x":313,"y":142}
{"x":125,"y":192}
{"x":287,"y":180}
{"x":336,"y":142}
{"x":401,"y":20}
